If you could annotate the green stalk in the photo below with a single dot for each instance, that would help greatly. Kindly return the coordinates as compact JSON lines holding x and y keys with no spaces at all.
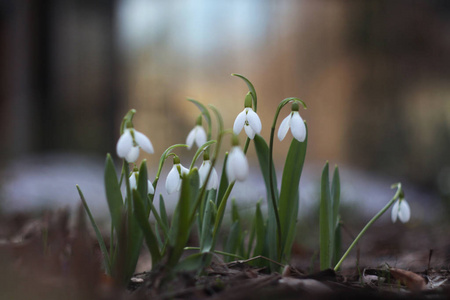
{"x":376,"y":217}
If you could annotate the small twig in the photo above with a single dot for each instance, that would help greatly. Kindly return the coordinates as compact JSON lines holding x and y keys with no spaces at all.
{"x":255,"y":258}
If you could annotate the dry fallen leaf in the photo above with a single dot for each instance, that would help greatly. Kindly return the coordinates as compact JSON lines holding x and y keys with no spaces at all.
{"x":412,"y":280}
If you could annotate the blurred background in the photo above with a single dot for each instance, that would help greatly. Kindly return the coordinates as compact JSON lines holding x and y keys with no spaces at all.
{"x":375,"y":76}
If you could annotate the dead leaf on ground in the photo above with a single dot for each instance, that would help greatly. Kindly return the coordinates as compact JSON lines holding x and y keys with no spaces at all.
{"x":412,"y":280}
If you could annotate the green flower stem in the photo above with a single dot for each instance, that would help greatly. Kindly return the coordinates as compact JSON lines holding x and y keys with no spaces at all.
{"x":376,"y":217}
{"x":163,"y":158}
{"x":199,"y":151}
{"x":272,"y":191}
{"x":213,"y":160}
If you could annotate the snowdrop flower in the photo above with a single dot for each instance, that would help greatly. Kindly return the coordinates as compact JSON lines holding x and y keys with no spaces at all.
{"x":401,"y":210}
{"x":133,"y":183}
{"x":295,"y":123}
{"x":130,"y":142}
{"x":247,"y":119}
{"x":237,"y":165}
{"x":197,"y":135}
{"x":213,"y":181}
{"x":173,"y":181}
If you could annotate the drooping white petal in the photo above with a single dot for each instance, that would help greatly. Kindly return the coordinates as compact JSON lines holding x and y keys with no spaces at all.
{"x":239,"y":122}
{"x":404,"y":212}
{"x":229,"y":167}
{"x":200,"y":136}
{"x":284,"y":128}
{"x":237,"y":165}
{"x":203,"y":171}
{"x":133,"y":182}
{"x":249,"y":131}
{"x":298,"y":128}
{"x":190,"y":138}
{"x":173,"y":180}
{"x":253,"y":120}
{"x":213,"y":182}
{"x":150,"y":188}
{"x":132,"y":155}
{"x":395,"y":211}
{"x":183,"y":170}
{"x":124,"y":144}
{"x":143,"y":141}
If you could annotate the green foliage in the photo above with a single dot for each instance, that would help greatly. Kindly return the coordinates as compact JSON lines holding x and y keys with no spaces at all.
{"x":271,"y":234}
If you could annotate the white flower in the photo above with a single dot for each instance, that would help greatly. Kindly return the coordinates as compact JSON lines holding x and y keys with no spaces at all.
{"x":133,"y":183}
{"x":248,"y":120}
{"x":213,"y":181}
{"x":295,"y":122}
{"x":128,"y":147}
{"x":237,"y":165}
{"x":197,"y":135}
{"x":401,"y":210}
{"x":173,"y":181}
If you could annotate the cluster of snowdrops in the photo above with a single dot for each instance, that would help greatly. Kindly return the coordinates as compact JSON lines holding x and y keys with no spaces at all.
{"x":203,"y":198}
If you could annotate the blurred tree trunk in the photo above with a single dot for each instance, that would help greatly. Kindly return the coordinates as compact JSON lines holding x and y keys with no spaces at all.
{"x":61,"y":80}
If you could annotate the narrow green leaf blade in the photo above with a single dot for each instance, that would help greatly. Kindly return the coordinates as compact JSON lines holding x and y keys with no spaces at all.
{"x":251,"y":88}
{"x":223,"y":185}
{"x":188,"y":195}
{"x":324,"y":226}
{"x":262,"y":152}
{"x":203,"y":110}
{"x":113,"y":193}
{"x":142,"y":185}
{"x":289,"y":194}
{"x":260,"y":232}
{"x":142,"y":221}
{"x":100,"y":240}
{"x":233,"y":240}
{"x":336,"y":195}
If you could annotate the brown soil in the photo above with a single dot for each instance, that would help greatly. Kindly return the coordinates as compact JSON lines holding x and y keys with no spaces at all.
{"x":45,"y":258}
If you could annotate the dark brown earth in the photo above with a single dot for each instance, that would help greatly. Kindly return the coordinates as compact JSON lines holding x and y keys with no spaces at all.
{"x":45,"y":257}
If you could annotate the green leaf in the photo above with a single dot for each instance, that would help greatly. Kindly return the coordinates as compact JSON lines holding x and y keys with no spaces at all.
{"x":113,"y":193}
{"x":337,"y":243}
{"x":251,"y":88}
{"x":233,"y":239}
{"x":223,"y":181}
{"x":324,"y":221}
{"x":262,"y":152}
{"x":149,"y":235}
{"x":142,"y":185}
{"x":162,"y":211}
{"x":159,"y":221}
{"x":336,"y":194}
{"x":205,"y":114}
{"x":234,"y":211}
{"x":208,"y":221}
{"x":289,"y":194}
{"x":182,"y":217}
{"x":100,"y":240}
{"x":260,"y":231}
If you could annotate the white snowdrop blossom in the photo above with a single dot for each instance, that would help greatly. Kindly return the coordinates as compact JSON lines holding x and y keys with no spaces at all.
{"x":197,"y":135}
{"x":133,"y":183}
{"x":248,"y":120}
{"x":401,"y":210}
{"x":173,"y":181}
{"x":237,"y":165}
{"x":296,"y":124}
{"x":130,"y":142}
{"x":213,"y":181}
